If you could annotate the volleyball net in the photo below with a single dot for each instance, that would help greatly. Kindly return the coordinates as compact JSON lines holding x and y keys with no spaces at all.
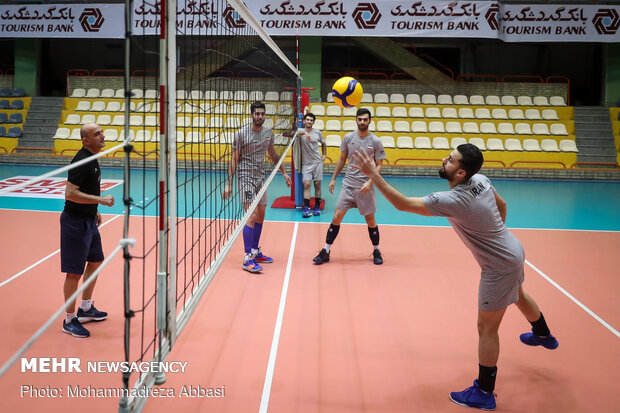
{"x":200,"y":76}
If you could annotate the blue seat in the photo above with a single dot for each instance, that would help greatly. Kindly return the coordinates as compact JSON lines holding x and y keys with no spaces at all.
{"x":2,"y":131}
{"x":16,"y":118}
{"x":17,"y":104}
{"x":5,"y":104}
{"x":5,"y":92}
{"x":14,"y":132}
{"x":18,"y":92}
{"x":4,"y":118}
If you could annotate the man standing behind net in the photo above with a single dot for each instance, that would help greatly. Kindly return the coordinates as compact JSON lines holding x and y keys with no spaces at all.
{"x":249,"y":146}
{"x":478,"y":215}
{"x":357,"y":191}
{"x":311,"y":163}
{"x":80,"y":241}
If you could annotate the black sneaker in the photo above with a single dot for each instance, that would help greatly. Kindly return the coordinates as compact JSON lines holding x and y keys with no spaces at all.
{"x":322,"y":257}
{"x":75,"y":328}
{"x":376,"y":257}
{"x":91,"y":315}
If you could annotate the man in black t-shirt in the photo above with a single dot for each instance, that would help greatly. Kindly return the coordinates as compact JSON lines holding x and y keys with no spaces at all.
{"x":80,"y":242}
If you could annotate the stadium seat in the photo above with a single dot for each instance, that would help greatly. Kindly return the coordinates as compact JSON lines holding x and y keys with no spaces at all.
{"x":286,"y":96}
{"x":14,"y":132}
{"x":4,"y":118}
{"x":466,"y":113}
{"x":17,"y":104}
{"x":540,"y":101}
{"x":416,"y":112}
{"x":508,"y":100}
{"x":436,"y":127}
{"x":210,"y":95}
{"x":428,"y":99}
{"x":232,"y":123}
{"x":18,"y":92}
{"x":549,"y":145}
{"x":319,"y":124}
{"x":75,"y":134}
{"x":237,"y":109}
{"x":330,"y":98}
{"x":98,"y":106}
{"x":61,"y":133}
{"x":531,"y":145}
{"x":226,"y":137}
{"x":418,"y":126}
{"x":383,"y":126}
{"x":132,"y":106}
{"x":444,"y":100}
{"x":568,"y":145}
{"x":381,"y":98}
{"x":404,"y":142}
{"x":285,"y":109}
{"x":513,"y":145}
{"x":453,"y":127}
{"x":488,"y":127}
{"x":397,"y":98}
{"x":516,"y":114}
{"x":270,"y":109}
{"x":461,"y":100}
{"x":413,"y":99}
{"x":318,"y":110}
{"x":524,"y":101}
{"x":366,"y":98}
{"x":449,"y":113}
{"x":470,"y":127}
{"x":137,"y":93}
{"x":422,"y":142}
{"x":494,"y":144}
{"x":540,"y":129}
{"x":72,"y":119}
{"x":272,"y":96}
{"x":399,"y":112}
{"x":117,"y":120}
{"x":557,"y":101}
{"x":93,"y":92}
{"x":332,"y":125}
{"x":143,"y":135}
{"x":5,"y":92}
{"x":144,"y":107}
{"x":433,"y":112}
{"x":349,"y":111}
{"x":119,"y":94}
{"x":532,"y":114}
{"x":482,"y":113}
{"x":113,"y":106}
{"x":550,"y":114}
{"x":440,"y":142}
{"x":78,"y":93}
{"x":492,"y":100}
{"x":401,"y":126}
{"x":476,"y":100}
{"x":83,"y":105}
{"x":216,"y":122}
{"x":388,"y":141}
{"x":152,"y":94}
{"x":499,"y":113}
{"x":255,"y":95}
{"x":372,"y":127}
{"x":193,"y":136}
{"x":182,"y":94}
{"x":205,"y":108}
{"x":151,"y":120}
{"x":333,"y":140}
{"x":135,"y":120}
{"x":523,"y":129}
{"x":222,"y":109}
{"x":456,"y":141}
{"x":370,"y":109}
{"x":505,"y":128}
{"x":5,"y":104}
{"x":224,"y":95}
{"x":383,"y":112}
{"x":104,"y":120}
{"x":479,"y":142}
{"x":240,"y":96}
{"x":107,"y":93}
{"x":2,"y":131}
{"x":111,"y":135}
{"x":558,"y":129}
{"x":280,"y":139}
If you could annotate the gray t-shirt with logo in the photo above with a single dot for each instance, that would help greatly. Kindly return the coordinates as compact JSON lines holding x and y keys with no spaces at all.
{"x":472,"y":210}
{"x":252,"y":146}
{"x":352,"y":142}
{"x":310,"y":153}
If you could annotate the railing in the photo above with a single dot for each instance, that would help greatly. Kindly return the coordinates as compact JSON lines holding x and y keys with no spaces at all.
{"x":441,"y":66}
{"x":462,"y":77}
{"x":612,"y":165}
{"x":108,"y":72}
{"x":531,"y":77}
{"x":362,"y":75}
{"x":538,"y":162}
{"x":559,"y":77}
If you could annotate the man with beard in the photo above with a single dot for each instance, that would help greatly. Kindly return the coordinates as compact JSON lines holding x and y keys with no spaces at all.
{"x":357,"y":191}
{"x":478,"y":215}
{"x":247,"y":160}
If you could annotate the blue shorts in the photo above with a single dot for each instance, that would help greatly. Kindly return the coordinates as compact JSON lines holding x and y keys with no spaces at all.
{"x":80,"y":243}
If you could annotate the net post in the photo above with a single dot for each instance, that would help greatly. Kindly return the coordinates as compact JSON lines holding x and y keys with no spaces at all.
{"x":298,"y":187}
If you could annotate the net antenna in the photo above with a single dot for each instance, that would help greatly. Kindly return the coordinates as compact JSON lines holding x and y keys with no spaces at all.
{"x":214,"y":60}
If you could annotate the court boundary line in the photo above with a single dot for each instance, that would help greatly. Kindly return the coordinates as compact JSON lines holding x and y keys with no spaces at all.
{"x":572,"y":298}
{"x":264,"y":402}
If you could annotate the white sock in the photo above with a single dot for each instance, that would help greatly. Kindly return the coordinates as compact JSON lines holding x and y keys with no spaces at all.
{"x":254,"y":252}
{"x":69,"y":317}
{"x":327,"y":247}
{"x":247,"y":257}
{"x":86,"y":304}
{"x":376,"y":247}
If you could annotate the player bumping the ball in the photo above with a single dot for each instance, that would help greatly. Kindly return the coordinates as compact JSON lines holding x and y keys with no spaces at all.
{"x":478,"y":215}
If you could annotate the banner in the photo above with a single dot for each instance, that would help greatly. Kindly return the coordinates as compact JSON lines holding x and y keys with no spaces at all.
{"x":393,"y":18}
{"x":63,"y":20}
{"x":46,"y":188}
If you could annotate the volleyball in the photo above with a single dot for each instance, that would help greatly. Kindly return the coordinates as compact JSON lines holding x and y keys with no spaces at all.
{"x":347,"y":92}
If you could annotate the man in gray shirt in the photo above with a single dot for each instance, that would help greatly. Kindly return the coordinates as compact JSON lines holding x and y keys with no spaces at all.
{"x":311,"y":163}
{"x":478,"y":215}
{"x":357,"y":191}
{"x":249,"y":146}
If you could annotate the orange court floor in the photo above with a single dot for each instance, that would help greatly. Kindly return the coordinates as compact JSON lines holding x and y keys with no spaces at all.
{"x":346,"y":336}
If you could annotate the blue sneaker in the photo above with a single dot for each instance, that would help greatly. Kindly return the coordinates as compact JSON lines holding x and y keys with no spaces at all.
{"x":376,"y":257}
{"x":317,"y":211}
{"x":322,"y":257}
{"x":251,"y":266}
{"x":474,"y":397}
{"x":91,"y":315}
{"x":532,"y":339}
{"x":307,"y":213}
{"x":75,"y":328}
{"x":263,"y":259}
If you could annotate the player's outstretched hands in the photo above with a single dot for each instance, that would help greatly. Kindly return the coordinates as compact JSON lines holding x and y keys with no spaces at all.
{"x":364,"y":163}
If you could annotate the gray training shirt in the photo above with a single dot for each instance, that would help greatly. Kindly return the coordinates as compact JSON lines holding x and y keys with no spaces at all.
{"x":352,"y":142}
{"x":252,"y":147}
{"x":472,"y":210}
{"x":310,"y":148}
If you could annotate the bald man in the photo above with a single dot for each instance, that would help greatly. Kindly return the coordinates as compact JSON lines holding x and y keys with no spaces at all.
{"x":81,"y":252}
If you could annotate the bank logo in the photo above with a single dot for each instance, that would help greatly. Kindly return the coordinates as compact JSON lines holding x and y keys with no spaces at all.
{"x":232,"y":18}
{"x":91,"y":20}
{"x":606,"y":21}
{"x":366,"y":15}
{"x":491,"y":16}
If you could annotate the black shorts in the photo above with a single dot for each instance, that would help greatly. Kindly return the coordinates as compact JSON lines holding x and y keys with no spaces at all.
{"x":80,"y":243}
